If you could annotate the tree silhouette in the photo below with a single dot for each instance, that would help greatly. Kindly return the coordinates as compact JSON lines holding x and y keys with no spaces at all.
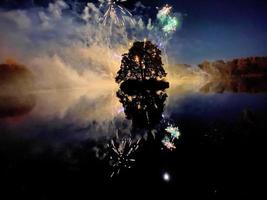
{"x":144,"y":107}
{"x":142,"y":62}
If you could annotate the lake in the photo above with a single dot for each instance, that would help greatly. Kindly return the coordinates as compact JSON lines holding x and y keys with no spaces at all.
{"x":180,"y":141}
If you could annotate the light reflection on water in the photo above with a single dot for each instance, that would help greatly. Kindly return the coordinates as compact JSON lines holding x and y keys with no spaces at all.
{"x":66,"y":115}
{"x":105,"y":133}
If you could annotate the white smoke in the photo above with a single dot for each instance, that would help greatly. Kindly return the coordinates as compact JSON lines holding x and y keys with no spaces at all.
{"x":61,"y":49}
{"x":66,"y":49}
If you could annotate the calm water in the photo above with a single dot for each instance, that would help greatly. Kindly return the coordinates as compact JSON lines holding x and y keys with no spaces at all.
{"x":182,"y":142}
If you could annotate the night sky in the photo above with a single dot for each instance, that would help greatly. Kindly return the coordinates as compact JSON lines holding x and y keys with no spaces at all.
{"x":211,"y":29}
{"x":222,"y":29}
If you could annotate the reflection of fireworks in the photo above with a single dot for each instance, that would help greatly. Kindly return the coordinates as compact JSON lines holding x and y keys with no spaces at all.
{"x":121,"y":154}
{"x":174,"y":131}
{"x":168,"y":143}
{"x":168,"y":140}
{"x":114,"y":12}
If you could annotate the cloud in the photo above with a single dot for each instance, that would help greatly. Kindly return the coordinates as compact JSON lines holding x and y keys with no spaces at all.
{"x":61,"y":49}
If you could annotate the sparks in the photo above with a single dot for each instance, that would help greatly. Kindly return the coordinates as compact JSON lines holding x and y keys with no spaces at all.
{"x":168,"y":21}
{"x":114,"y":13}
{"x":166,"y":141}
{"x":121,"y":154}
{"x":172,"y":135}
{"x":174,"y":131}
{"x":166,"y":10}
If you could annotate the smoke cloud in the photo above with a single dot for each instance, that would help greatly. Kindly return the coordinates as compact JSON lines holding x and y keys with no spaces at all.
{"x":74,"y":59}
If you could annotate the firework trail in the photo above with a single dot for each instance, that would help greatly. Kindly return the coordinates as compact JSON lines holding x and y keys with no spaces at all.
{"x":114,"y":13}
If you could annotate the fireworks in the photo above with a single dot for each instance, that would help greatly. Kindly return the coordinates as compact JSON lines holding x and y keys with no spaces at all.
{"x":121,"y":154}
{"x":168,"y":21}
{"x":168,"y":140}
{"x":114,"y":13}
{"x":166,"y":10}
{"x":174,"y":131}
{"x":168,"y":143}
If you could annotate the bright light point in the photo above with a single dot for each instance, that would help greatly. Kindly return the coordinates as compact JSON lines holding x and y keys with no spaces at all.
{"x":166,"y":177}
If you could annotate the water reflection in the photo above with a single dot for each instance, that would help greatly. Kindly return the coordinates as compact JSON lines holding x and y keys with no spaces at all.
{"x":119,"y":152}
{"x":248,"y":85}
{"x":104,"y":133}
{"x":16,"y":106}
{"x":143,"y":107}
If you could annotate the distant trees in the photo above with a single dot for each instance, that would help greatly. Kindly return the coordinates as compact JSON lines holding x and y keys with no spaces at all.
{"x":243,"y":67}
{"x":142,"y":62}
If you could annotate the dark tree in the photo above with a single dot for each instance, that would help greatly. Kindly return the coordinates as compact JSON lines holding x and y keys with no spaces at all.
{"x":142,"y":62}
{"x":143,"y":107}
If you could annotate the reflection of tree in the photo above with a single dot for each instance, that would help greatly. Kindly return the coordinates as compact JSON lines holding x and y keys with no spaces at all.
{"x":143,"y":107}
{"x":143,"y":97}
{"x":16,"y":106}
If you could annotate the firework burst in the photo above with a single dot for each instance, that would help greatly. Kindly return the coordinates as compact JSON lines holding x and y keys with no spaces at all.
{"x":173,"y":131}
{"x":168,"y":21}
{"x":121,"y":154}
{"x":172,"y":134}
{"x":168,"y":143}
{"x":114,"y":13}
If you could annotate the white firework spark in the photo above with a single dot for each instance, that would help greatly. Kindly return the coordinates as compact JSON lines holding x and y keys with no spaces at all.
{"x":121,"y":154}
{"x":115,"y":13}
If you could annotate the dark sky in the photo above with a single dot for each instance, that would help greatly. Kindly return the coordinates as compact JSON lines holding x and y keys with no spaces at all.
{"x":212,"y":29}
{"x":221,"y":29}
{"x":218,"y":29}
